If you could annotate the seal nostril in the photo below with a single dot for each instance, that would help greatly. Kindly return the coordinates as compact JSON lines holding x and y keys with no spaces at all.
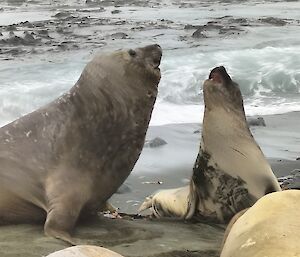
{"x":156,"y":62}
{"x":156,"y":58}
{"x":132,"y":52}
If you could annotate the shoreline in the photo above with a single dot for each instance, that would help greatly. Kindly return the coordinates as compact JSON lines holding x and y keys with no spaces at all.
{"x":170,"y":165}
{"x":159,"y":238}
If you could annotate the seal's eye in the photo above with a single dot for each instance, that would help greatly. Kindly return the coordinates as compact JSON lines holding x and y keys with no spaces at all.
{"x":132,"y":52}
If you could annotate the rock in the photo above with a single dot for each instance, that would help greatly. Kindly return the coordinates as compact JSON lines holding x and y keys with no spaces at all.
{"x":119,"y":35}
{"x":15,"y":51}
{"x":92,"y":2}
{"x":11,"y":27}
{"x":84,"y":251}
{"x":156,"y":142}
{"x":118,"y":23}
{"x":13,"y":40}
{"x":199,"y":34}
{"x":259,"y":121}
{"x":291,"y":181}
{"x":209,"y":26}
{"x":298,"y":159}
{"x":115,"y":11}
{"x":273,"y":21}
{"x":29,"y":39}
{"x":238,"y":20}
{"x":189,"y":26}
{"x":59,"y":30}
{"x":43,"y":34}
{"x":123,"y":189}
{"x":197,"y":131}
{"x":26,"y":23}
{"x":230,"y":30}
{"x":39,"y":24}
{"x":61,"y":15}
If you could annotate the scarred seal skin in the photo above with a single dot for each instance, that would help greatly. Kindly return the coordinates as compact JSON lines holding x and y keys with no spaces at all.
{"x":230,"y":172}
{"x":64,"y":160}
{"x":270,"y":228}
{"x":85,"y":251}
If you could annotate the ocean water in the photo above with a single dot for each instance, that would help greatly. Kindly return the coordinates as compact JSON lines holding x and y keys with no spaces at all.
{"x":265,"y":61}
{"x":269,"y":79}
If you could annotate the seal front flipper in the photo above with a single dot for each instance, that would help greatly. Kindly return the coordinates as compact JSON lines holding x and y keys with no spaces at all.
{"x":62,"y":235}
{"x":66,"y":195}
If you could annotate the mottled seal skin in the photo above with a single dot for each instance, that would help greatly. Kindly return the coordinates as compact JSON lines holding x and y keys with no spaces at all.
{"x":270,"y":228}
{"x":66,"y":159}
{"x":230,"y":172}
{"x":85,"y":251}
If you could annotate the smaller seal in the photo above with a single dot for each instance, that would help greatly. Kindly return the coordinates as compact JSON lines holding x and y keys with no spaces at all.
{"x":231,"y":172}
{"x":271,"y":227}
{"x":168,"y":203}
{"x":85,"y":251}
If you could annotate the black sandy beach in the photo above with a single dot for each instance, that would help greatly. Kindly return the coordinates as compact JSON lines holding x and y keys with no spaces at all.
{"x":170,"y":166}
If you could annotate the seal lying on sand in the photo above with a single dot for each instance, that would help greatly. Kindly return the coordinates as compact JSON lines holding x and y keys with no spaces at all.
{"x":271,"y":227}
{"x":230,"y":172}
{"x":85,"y":251}
{"x":168,"y":203}
{"x":66,"y":159}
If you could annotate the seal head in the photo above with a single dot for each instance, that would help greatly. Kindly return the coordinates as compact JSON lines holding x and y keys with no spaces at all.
{"x":220,"y":90}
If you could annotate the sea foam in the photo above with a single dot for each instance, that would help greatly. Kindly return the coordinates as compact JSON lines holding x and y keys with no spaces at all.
{"x":269,"y":79}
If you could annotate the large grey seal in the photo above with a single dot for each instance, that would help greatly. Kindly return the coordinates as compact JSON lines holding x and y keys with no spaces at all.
{"x":230,"y":172}
{"x":270,"y":228}
{"x":66,"y":159}
{"x":85,"y":251}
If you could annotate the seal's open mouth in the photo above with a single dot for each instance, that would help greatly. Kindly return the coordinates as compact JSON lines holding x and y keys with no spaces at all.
{"x":219,"y":75}
{"x":216,"y":77}
{"x":156,"y":67}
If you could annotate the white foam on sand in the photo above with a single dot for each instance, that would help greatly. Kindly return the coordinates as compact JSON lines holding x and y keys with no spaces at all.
{"x":13,"y":17}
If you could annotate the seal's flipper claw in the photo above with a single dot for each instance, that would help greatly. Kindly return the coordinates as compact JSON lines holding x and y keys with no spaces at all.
{"x":61,"y":235}
{"x":109,"y":207}
{"x":147,"y":204}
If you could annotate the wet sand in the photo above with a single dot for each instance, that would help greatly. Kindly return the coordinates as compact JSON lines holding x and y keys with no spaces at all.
{"x":127,"y":237}
{"x":170,"y":164}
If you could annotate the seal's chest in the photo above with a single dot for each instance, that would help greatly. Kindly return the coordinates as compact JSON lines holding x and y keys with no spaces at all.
{"x":229,"y":195}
